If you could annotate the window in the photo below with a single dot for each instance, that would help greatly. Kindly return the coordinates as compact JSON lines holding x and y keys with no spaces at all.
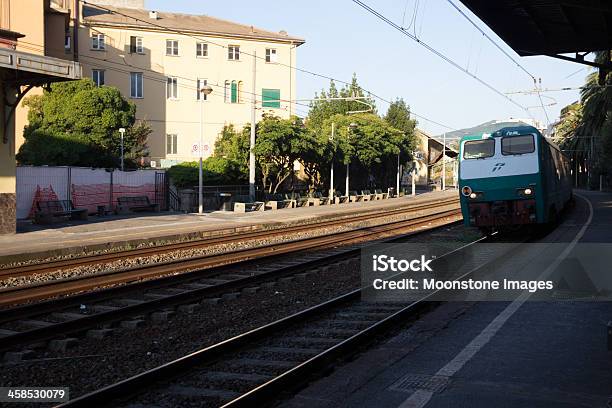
{"x":518,"y":145}
{"x":201,"y":49}
{"x":271,"y":55}
{"x":98,"y":76}
{"x":270,"y":98}
{"x":67,"y":42}
{"x":136,"y":45}
{"x":172,"y":88}
{"x":234,"y":98}
{"x":233,"y":52}
{"x":226,"y":92}
{"x":135,"y":84}
{"x":97,"y":42}
{"x":201,"y":84}
{"x":172,"y":47}
{"x":171,"y":140}
{"x":478,"y":149}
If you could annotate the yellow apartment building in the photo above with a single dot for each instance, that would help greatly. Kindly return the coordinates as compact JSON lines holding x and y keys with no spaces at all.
{"x":159,"y":60}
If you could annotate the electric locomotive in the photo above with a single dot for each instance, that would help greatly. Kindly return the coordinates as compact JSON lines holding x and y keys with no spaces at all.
{"x":512,"y":177}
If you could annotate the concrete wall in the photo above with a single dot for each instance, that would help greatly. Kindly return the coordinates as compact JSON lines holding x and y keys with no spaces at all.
{"x":182,"y":116}
{"x":138,"y":4}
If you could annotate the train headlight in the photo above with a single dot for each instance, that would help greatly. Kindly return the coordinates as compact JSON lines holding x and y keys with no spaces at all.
{"x":466,"y":191}
{"x":528,"y":191}
{"x":473,"y":196}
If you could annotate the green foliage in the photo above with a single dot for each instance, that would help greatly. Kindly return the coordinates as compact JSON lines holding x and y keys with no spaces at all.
{"x":44,"y":147}
{"x":398,"y":116}
{"x":324,"y":108}
{"x":234,"y":146}
{"x":277,"y":147}
{"x":216,"y":171}
{"x":367,"y":139}
{"x":89,"y":115}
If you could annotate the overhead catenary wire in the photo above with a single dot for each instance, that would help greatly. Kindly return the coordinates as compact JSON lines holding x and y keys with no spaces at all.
{"x":305,"y":71}
{"x":438,"y":53}
{"x":535,"y":82}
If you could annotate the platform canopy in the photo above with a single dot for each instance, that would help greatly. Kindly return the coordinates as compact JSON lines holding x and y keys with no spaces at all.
{"x":549,"y":27}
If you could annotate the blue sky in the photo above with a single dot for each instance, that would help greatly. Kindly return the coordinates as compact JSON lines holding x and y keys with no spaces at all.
{"x":342,"y":39}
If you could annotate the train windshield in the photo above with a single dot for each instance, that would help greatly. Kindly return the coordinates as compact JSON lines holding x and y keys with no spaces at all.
{"x":478,"y":149}
{"x":518,"y":145}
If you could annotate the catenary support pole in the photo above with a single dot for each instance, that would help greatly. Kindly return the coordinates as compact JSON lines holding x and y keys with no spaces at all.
{"x":253,"y":124}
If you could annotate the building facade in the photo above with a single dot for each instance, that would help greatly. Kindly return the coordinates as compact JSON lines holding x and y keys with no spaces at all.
{"x":31,"y":33}
{"x":160,"y":60}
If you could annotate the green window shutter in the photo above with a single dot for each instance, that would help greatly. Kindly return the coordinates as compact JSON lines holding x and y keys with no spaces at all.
{"x":270,"y":98}
{"x":234,"y":92}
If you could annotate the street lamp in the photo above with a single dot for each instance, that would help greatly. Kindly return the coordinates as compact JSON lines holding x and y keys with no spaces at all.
{"x":122,"y":131}
{"x":205,"y":90}
{"x":351,"y":127}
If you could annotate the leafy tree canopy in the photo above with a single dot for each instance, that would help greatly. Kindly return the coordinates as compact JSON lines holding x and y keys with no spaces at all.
{"x":324,"y":108}
{"x":81,"y":112}
{"x":234,"y":146}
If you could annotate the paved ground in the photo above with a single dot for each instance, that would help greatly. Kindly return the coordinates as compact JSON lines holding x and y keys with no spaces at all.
{"x":489,"y":354}
{"x":117,"y":231}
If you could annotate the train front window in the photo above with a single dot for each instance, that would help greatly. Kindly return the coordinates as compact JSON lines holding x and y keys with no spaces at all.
{"x":478,"y":149}
{"x":518,"y":145}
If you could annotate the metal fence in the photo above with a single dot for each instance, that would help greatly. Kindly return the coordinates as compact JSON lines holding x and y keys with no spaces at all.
{"x":86,"y":187}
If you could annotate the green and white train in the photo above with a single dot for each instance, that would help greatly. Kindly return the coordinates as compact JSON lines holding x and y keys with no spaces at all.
{"x":512,"y":177}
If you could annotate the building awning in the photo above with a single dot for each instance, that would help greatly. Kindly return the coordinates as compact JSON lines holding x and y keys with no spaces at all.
{"x":22,"y":68}
{"x":548,"y":27}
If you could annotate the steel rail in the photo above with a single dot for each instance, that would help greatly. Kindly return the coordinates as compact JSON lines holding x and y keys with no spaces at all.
{"x":27,"y":293}
{"x":225,"y":237}
{"x":88,"y":321}
{"x":288,"y":380}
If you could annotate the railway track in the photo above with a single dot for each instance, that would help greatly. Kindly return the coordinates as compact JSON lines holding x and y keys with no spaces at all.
{"x":257,"y":367}
{"x":42,"y":321}
{"x":52,"y":266}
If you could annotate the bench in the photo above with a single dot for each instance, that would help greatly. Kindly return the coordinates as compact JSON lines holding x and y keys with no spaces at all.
{"x":340,"y":199}
{"x":276,"y":202}
{"x":354,"y":197}
{"x":318,"y":198}
{"x":243,"y":204}
{"x":298,"y":200}
{"x":380,"y":195}
{"x":126,"y":204}
{"x":47,"y":210}
{"x":367,"y":196}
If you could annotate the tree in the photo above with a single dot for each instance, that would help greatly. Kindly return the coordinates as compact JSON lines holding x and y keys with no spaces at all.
{"x":80,"y":113}
{"x":324,"y":108}
{"x":368,"y":140}
{"x":398,"y":116}
{"x":277,"y":147}
{"x":234,"y":146}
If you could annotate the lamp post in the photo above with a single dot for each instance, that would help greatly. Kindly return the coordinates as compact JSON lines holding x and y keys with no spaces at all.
{"x":205,"y":90}
{"x":444,"y":162}
{"x":122,"y":131}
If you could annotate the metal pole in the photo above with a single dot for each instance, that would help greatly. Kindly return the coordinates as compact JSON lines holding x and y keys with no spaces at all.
{"x":252,"y":139}
{"x":347,"y":179}
{"x":397,"y":181}
{"x":331,"y":172}
{"x":121,"y":151}
{"x":444,"y":162}
{"x":414,"y":178}
{"x":200,"y":170}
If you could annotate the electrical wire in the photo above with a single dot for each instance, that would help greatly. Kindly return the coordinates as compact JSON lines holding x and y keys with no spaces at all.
{"x":438,"y":53}
{"x":305,"y":71}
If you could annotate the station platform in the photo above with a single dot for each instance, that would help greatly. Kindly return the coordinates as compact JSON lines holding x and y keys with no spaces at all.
{"x":489,"y":354}
{"x":103,"y":233}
